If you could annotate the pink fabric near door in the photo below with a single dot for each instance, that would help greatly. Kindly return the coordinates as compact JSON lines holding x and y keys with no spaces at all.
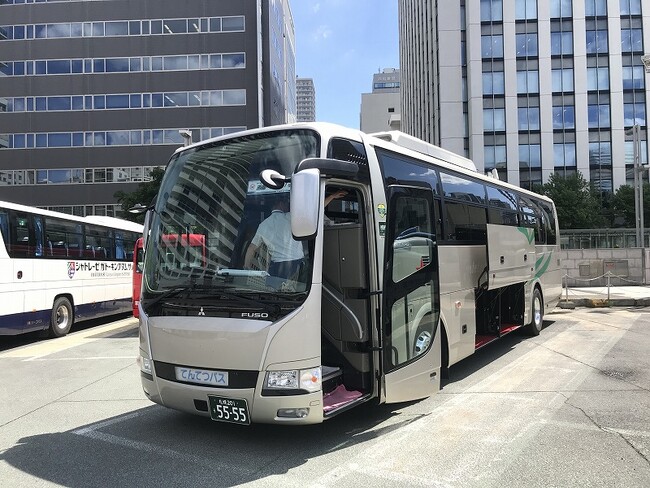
{"x":339,"y":397}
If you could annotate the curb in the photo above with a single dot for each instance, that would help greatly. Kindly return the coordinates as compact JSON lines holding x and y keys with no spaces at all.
{"x":603,"y":303}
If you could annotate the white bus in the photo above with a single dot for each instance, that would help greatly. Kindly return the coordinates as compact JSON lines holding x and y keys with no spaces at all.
{"x":422,"y":262}
{"x":56,"y":269}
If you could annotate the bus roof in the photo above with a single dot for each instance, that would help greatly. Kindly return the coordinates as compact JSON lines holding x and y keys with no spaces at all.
{"x":394,"y":140}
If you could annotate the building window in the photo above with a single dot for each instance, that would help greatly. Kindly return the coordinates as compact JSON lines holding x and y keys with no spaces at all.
{"x":530,"y":156}
{"x":562,"y":80}
{"x":491,"y":10}
{"x":494,"y":119}
{"x":494,"y":157}
{"x":564,"y":155}
{"x":528,"y":118}
{"x":526,"y":44}
{"x":527,"y":82}
{"x":633,"y":77}
{"x":598,"y":116}
{"x":564,"y":117}
{"x":598,"y":79}
{"x":597,"y":41}
{"x":492,"y":46}
{"x":600,"y":154}
{"x":561,"y":43}
{"x":494,"y":83}
{"x":561,"y":9}
{"x":596,"y":8}
{"x":630,"y":7}
{"x":526,"y":10}
{"x":634,"y":114}
{"x":631,"y":40}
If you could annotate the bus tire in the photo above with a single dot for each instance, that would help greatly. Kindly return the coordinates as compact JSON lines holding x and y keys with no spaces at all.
{"x":537,"y":313}
{"x":62,"y":317}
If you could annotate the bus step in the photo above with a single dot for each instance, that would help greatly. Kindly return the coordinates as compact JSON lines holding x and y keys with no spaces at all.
{"x":332,"y":376}
{"x":484,"y":339}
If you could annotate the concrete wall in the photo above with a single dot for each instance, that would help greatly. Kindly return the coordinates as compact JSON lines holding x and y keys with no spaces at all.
{"x":586,"y":267}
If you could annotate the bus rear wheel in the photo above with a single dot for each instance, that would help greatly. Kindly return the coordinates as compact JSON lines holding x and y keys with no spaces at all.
{"x":537,"y":313}
{"x":62,"y":317}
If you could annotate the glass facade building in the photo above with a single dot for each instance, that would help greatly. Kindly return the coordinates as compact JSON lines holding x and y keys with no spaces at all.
{"x":93,"y":93}
{"x":547,"y":86}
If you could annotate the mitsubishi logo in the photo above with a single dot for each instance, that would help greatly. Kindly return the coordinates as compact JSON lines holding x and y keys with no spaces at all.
{"x":201,"y":312}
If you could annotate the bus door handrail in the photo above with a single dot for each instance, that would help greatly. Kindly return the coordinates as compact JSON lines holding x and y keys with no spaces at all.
{"x":346,"y":310}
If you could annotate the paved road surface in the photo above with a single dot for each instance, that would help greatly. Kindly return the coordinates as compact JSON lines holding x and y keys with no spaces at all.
{"x":568,"y":408}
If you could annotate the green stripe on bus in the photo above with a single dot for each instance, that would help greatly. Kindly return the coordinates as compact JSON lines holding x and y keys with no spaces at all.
{"x":530,"y":235}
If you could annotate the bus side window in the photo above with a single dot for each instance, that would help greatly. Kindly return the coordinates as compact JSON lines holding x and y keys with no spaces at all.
{"x":4,"y":228}
{"x":21,"y":244}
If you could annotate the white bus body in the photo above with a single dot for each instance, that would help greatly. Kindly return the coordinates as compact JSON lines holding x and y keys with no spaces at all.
{"x":420,"y":262}
{"x":56,"y":268}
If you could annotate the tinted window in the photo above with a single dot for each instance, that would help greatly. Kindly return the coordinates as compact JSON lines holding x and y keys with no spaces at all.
{"x":404,"y":171}
{"x":460,"y":188}
{"x":465,"y":222}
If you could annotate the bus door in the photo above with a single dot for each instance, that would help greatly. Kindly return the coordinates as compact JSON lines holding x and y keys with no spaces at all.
{"x":410,"y":346}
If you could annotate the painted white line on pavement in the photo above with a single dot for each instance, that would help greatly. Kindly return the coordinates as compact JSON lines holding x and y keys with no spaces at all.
{"x":93,"y":432}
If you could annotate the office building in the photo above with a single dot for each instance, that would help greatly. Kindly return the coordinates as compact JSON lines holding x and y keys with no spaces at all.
{"x":380,"y":110}
{"x":93,"y":93}
{"x":306,"y":99}
{"x":529,"y":87}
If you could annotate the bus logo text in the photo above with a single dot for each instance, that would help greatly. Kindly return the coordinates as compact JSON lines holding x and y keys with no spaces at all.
{"x":255,"y":315}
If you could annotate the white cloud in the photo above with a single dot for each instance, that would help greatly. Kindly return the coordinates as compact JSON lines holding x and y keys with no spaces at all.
{"x":322,"y":32}
{"x":316,"y":8}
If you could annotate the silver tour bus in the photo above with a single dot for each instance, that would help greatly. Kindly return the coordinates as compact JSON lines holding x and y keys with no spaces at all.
{"x":339,"y":268}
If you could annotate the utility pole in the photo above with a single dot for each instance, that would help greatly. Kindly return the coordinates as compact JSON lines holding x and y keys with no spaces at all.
{"x":638,"y":183}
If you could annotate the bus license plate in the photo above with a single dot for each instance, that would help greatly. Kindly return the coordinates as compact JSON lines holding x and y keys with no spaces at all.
{"x":234,"y":410}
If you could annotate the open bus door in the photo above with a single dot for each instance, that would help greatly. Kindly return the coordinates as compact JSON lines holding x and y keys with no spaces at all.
{"x":410,"y":338}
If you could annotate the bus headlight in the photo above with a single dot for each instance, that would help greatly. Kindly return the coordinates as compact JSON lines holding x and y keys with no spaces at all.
{"x":306,"y":379}
{"x":145,"y":364}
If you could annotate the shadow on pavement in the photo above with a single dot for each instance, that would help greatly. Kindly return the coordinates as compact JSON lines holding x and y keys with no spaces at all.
{"x":159,"y":447}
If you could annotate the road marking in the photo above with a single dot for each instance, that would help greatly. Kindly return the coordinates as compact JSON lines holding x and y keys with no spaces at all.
{"x":45,"y":348}
{"x":93,"y":432}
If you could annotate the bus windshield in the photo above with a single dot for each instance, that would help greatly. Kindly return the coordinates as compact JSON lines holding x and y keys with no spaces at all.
{"x":215,"y":192}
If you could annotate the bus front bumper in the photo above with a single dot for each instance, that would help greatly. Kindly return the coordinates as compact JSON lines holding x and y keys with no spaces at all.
{"x":297,"y":409}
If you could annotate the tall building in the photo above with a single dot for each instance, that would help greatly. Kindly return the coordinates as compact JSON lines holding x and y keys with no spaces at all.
{"x":380,"y":110}
{"x":93,"y":93}
{"x":529,"y":87}
{"x":306,"y":99}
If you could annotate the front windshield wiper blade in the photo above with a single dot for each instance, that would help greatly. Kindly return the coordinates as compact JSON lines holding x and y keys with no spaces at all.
{"x":172,"y":292}
{"x":272,"y":307}
{"x":212,"y":292}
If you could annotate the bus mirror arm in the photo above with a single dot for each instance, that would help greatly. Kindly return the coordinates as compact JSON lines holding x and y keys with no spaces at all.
{"x":333,"y":168}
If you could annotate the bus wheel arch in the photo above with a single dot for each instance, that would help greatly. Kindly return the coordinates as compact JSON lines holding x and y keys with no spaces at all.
{"x":62,"y":316}
{"x":536,"y":312}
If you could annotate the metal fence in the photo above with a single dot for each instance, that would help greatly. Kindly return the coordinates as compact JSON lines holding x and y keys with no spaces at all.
{"x":601,"y":238}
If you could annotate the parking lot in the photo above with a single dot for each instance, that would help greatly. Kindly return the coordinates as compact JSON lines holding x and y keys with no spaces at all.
{"x":568,"y":408}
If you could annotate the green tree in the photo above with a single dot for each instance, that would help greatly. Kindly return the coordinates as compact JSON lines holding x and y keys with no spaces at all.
{"x":144,"y":194}
{"x":623,"y":206}
{"x":577,"y":202}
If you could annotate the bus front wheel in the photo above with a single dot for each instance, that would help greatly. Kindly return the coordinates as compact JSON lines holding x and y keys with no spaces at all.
{"x":537,"y":313}
{"x":62,"y":317}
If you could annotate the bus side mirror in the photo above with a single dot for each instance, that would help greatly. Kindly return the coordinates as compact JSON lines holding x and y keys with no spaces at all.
{"x":305,"y":203}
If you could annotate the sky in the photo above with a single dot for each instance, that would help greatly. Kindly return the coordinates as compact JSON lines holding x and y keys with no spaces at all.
{"x":341,"y":44}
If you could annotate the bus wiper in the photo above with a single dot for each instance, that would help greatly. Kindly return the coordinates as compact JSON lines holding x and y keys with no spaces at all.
{"x":172,"y":292}
{"x":272,"y":307}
